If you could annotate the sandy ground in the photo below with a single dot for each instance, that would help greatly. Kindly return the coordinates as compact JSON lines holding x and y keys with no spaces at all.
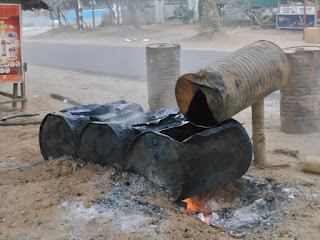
{"x":59,"y":199}
{"x":64,"y":199}
{"x":230,"y":39}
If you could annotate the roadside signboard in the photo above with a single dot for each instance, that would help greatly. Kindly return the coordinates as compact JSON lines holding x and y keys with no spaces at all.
{"x":10,"y":39}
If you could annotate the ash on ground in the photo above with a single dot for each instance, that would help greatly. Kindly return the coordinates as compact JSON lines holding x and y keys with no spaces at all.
{"x":246,"y":204}
{"x":125,"y":197}
{"x":238,"y":208}
{"x":128,"y":205}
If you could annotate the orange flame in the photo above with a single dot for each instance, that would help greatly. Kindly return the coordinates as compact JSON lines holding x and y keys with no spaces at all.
{"x":210,"y":201}
{"x":196,"y":205}
{"x":193,"y":204}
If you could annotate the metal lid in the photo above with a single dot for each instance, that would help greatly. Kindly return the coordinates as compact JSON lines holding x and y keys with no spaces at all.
{"x":164,"y":45}
{"x":297,"y":49}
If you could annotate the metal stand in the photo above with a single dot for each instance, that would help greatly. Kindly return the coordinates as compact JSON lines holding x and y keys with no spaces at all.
{"x":258,"y":136}
{"x":15,"y":97}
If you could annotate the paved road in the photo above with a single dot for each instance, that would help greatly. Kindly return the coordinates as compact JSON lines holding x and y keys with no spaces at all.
{"x":109,"y":60}
{"x":128,"y":61}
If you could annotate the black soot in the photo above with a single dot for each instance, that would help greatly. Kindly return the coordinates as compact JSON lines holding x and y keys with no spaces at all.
{"x":199,"y":112}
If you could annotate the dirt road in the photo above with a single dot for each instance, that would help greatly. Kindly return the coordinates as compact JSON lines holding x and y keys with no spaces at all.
{"x":230,"y":39}
{"x":63,"y":199}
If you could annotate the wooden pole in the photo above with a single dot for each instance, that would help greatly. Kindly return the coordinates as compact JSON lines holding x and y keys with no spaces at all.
{"x":304,"y":18}
{"x":62,"y":98}
{"x":77,"y":15}
{"x":23,"y":86}
{"x":23,"y":95}
{"x":80,"y":15}
{"x":51,"y":15}
{"x":93,"y":14}
{"x":19,"y":124}
{"x":258,"y":136}
{"x":59,"y":16}
{"x":15,"y":94}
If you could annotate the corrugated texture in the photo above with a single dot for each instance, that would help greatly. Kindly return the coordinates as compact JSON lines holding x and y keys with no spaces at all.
{"x":163,"y":70}
{"x":234,"y":82}
{"x":261,"y":3}
{"x":300,"y":98}
{"x":28,"y":4}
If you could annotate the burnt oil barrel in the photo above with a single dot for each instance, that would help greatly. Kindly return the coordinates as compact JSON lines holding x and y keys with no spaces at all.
{"x":84,"y":110}
{"x":300,"y":97}
{"x":163,"y":70}
{"x":106,"y":142}
{"x":188,"y":160}
{"x":227,"y":86}
{"x":60,"y":133}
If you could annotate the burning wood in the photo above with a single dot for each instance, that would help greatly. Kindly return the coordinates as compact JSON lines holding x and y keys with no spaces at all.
{"x":239,"y":205}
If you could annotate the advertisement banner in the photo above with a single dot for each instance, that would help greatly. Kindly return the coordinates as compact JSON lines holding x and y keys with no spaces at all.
{"x":294,"y":21}
{"x":10,"y":39}
{"x":297,"y":9}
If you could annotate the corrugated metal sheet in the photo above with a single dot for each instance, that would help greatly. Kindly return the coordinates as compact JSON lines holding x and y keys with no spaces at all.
{"x":28,"y":4}
{"x":258,"y":3}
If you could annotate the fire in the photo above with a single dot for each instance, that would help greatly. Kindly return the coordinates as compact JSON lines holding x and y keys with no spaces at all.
{"x":211,"y":201}
{"x":192,"y":205}
{"x":195,"y":205}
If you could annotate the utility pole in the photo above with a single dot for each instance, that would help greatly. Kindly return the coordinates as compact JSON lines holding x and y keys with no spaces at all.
{"x":304,"y":18}
{"x":80,"y":15}
{"x":93,"y":14}
{"x":51,"y":16}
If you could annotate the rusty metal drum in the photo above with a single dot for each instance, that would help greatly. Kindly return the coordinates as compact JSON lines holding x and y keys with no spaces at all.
{"x":300,"y":97}
{"x":227,"y":86}
{"x":163,"y":70}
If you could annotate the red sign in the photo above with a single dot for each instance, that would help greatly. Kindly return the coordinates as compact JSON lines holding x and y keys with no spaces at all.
{"x":10,"y":39}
